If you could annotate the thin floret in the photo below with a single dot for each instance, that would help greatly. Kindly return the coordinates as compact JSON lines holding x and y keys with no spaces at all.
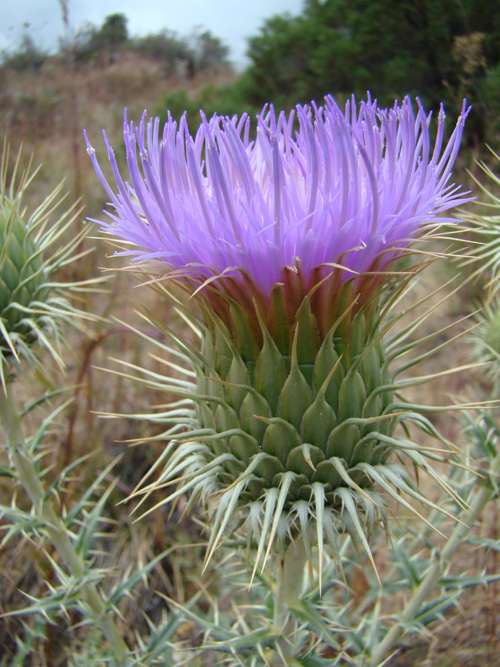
{"x":318,"y":186}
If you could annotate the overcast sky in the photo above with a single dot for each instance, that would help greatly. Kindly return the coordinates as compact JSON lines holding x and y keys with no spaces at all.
{"x":230,"y":20}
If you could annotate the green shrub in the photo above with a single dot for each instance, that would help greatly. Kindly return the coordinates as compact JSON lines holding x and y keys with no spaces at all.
{"x":28,"y":56}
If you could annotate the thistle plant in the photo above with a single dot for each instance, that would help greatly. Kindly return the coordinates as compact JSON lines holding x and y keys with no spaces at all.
{"x":296,"y":249}
{"x":34,"y":307}
{"x":484,"y":260}
{"x":485,"y":221}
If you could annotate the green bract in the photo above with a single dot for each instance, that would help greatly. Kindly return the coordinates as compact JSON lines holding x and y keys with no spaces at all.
{"x":297,"y":441}
{"x":297,"y":431}
{"x":22,"y":276}
{"x":33,"y":304}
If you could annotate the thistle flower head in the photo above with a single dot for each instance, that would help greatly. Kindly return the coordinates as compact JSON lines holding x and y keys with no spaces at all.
{"x":289,"y":240}
{"x":33,"y":304}
{"x":315,"y":188}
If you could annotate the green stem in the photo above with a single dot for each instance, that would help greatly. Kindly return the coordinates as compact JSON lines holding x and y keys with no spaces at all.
{"x":438,"y":567}
{"x":10,"y":422}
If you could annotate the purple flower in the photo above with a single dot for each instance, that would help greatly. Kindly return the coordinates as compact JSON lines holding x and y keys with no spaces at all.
{"x":315,"y":188}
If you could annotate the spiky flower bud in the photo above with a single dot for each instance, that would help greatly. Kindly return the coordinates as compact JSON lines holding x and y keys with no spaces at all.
{"x":21,"y":276}
{"x":289,"y":243}
{"x":32,"y":303}
{"x":485,"y":342}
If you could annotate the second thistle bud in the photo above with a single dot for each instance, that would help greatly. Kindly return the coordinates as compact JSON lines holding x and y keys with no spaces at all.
{"x":21,"y":277}
{"x":33,"y":304}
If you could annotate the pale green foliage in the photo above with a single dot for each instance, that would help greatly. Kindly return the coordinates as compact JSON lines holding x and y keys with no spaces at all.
{"x":485,"y":222}
{"x":485,"y":342}
{"x":484,"y":260}
{"x":328,"y":626}
{"x":86,"y":522}
{"x":290,"y":446}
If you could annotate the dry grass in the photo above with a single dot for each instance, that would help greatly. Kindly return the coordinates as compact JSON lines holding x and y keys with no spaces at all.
{"x":47,"y":112}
